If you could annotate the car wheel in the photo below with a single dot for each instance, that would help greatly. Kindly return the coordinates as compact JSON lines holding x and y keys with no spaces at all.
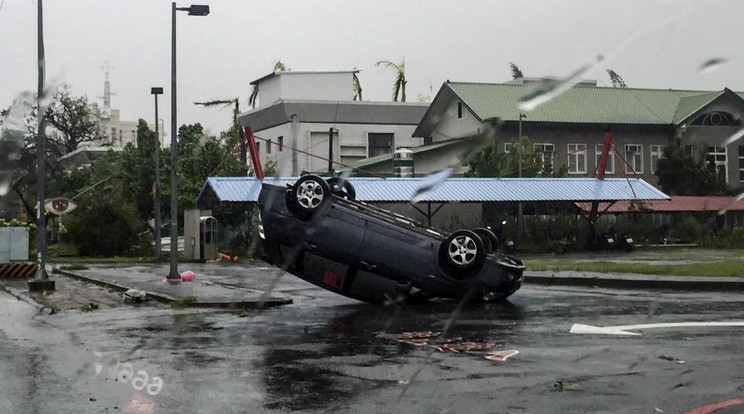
{"x":461,"y":253}
{"x":310,"y":192}
{"x":342,"y":188}
{"x":490,"y":241}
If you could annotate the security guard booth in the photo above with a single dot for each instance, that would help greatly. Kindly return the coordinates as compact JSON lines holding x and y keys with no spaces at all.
{"x":199,"y":235}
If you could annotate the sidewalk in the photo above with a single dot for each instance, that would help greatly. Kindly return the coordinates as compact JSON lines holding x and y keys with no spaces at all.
{"x":215,"y":286}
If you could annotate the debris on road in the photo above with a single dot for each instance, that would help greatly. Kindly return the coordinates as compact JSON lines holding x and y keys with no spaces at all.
{"x":134,"y":296}
{"x":188,"y":276}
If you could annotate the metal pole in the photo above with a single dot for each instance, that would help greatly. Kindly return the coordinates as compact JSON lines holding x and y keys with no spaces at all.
{"x":173,"y":274}
{"x":158,"y":247}
{"x":520,"y":217}
{"x":41,"y":279}
{"x":330,"y":152}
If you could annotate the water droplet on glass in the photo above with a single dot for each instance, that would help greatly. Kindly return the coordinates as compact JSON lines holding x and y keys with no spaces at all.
{"x":711,"y":65}
{"x":727,"y":208}
{"x":733,"y":138}
{"x":431,"y":182}
{"x":548,"y":90}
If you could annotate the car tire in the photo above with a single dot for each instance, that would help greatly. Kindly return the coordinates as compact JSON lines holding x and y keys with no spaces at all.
{"x":490,"y":241}
{"x":342,"y":188}
{"x":309,"y":193}
{"x":461,"y":254}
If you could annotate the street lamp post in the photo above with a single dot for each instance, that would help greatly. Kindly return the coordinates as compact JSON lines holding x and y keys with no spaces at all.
{"x":41,"y":281}
{"x":156,"y":189}
{"x":193,"y":10}
{"x":520,"y":218}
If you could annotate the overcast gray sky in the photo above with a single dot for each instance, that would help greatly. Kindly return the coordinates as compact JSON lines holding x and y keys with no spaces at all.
{"x":650,"y":43}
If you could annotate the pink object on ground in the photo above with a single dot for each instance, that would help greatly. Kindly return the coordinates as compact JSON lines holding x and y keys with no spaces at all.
{"x":188,"y":276}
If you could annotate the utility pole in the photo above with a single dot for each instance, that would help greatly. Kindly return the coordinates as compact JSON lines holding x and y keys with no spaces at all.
{"x":156,"y":189}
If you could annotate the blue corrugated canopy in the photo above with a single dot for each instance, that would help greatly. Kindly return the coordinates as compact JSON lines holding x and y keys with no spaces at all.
{"x":369,"y":189}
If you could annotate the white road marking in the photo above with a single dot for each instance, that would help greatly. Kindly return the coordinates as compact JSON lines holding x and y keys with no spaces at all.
{"x":579,"y":328}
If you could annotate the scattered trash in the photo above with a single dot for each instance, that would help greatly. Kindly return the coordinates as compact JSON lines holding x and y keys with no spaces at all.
{"x":188,"y":276}
{"x":658,"y":410}
{"x":501,"y":356}
{"x":134,"y":296}
{"x":47,"y":292}
{"x":404,"y":382}
{"x":668,"y":358}
{"x":567,"y":386}
{"x":92,"y":399}
{"x":89,"y":307}
{"x":243,"y":313}
{"x":451,"y":345}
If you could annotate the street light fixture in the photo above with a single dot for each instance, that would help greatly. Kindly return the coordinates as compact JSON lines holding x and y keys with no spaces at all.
{"x":156,"y":189}
{"x":193,"y":10}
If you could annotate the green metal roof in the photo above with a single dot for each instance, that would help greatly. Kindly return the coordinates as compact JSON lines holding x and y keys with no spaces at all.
{"x":583,"y":104}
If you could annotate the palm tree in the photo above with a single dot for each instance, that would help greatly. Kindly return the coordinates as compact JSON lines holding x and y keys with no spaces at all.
{"x":400,"y":80}
{"x":357,"y":87}
{"x":236,"y":112}
{"x":253,"y":99}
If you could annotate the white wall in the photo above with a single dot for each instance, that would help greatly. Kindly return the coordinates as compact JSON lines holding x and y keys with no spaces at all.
{"x":348,"y":135}
{"x":449,"y":126}
{"x":336,"y":86}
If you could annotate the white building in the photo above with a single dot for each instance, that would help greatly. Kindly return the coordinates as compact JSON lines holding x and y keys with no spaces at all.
{"x":302,"y":110}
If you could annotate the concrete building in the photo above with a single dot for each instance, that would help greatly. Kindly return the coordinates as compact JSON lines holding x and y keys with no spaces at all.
{"x":303,"y":110}
{"x":569,"y":129}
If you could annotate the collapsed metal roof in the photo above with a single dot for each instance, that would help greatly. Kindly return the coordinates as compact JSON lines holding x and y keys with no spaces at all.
{"x":467,"y":190}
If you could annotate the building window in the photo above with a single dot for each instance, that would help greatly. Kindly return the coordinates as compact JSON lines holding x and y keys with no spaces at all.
{"x":546,"y":153}
{"x":577,"y":158}
{"x":657,"y":152}
{"x":634,"y":158}
{"x":280,"y":141}
{"x":690,"y":151}
{"x":509,"y":145}
{"x":459,"y":110}
{"x":113,"y":136}
{"x":379,"y":143}
{"x":610,"y":166}
{"x":717,"y":158}
{"x":741,"y":163}
{"x":268,"y":147}
{"x":258,"y":149}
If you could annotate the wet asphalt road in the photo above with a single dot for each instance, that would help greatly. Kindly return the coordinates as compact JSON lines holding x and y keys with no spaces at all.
{"x":325,"y":353}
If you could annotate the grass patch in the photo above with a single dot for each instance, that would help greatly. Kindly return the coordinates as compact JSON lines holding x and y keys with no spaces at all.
{"x":183,"y":302}
{"x":723,"y":268}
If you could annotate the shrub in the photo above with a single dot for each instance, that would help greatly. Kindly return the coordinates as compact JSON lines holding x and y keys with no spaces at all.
{"x":104,"y":227}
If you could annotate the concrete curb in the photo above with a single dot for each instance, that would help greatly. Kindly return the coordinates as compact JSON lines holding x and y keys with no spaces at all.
{"x":635,"y":281}
{"x":18,"y":294}
{"x":167,"y":299}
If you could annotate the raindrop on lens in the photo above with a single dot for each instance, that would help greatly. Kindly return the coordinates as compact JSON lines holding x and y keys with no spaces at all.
{"x":711,"y":65}
{"x":430,"y":183}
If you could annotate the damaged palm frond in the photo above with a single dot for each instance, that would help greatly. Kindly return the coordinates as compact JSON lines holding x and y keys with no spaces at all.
{"x":399,"y":86}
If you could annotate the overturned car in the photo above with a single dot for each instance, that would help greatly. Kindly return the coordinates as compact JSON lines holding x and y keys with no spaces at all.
{"x":315,"y":230}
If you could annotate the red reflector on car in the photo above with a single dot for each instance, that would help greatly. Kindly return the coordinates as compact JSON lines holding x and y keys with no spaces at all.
{"x":333,"y":280}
